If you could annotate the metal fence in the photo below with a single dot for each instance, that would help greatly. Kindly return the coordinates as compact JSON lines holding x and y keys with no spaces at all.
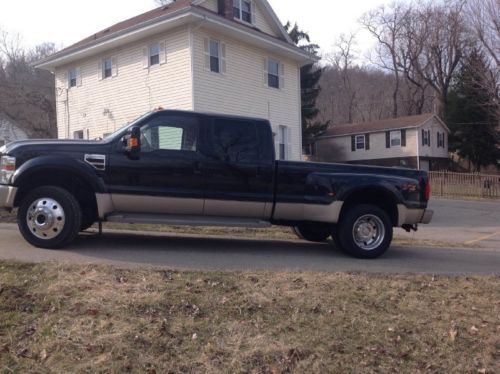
{"x":445,"y":183}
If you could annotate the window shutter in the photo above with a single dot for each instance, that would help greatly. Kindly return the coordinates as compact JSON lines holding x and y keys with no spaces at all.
{"x":387,"y":139}
{"x":145,"y":58}
{"x":429,"y":138}
{"x":163,"y":53}
{"x":78,"y":77}
{"x":223,"y":65}
{"x":403,"y":138}
{"x":206,"y":49}
{"x":99,"y":70}
{"x":114,"y":66}
{"x":265,"y":73}
{"x":253,"y":12}
{"x":282,"y":76}
{"x":367,"y":142}
{"x":438,"y":139}
{"x":423,"y":137}
{"x":353,"y":143}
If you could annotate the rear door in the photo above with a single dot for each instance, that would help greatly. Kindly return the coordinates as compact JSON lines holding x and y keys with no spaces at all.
{"x":239,"y":172}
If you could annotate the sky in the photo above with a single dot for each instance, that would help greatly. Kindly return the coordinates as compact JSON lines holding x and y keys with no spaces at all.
{"x":65,"y":22}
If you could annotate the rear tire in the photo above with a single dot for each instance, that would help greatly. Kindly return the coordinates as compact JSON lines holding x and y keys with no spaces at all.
{"x":316,"y":233}
{"x":365,"y":231}
{"x":49,"y":217}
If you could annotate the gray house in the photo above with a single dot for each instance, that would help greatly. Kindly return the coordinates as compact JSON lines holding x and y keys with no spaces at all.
{"x":419,"y":142}
{"x":10,"y":131}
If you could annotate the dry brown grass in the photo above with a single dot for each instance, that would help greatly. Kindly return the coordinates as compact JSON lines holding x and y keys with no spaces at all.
{"x":102,"y":319}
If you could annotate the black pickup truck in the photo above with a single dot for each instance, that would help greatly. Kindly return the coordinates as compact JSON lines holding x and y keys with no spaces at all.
{"x":173,"y":167}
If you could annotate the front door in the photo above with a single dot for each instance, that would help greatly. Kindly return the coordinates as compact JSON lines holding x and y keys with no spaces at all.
{"x":166,"y":178}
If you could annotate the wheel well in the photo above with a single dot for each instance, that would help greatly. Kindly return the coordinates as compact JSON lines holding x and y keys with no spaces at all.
{"x":72,"y":182}
{"x":383,"y":199}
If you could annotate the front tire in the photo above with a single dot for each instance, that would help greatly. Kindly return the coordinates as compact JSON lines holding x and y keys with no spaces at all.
{"x":49,"y":217}
{"x":365,"y":231}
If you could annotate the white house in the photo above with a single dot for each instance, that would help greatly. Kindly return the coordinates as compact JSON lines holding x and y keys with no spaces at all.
{"x":226,"y":56}
{"x":10,"y":131}
{"x":419,"y":142}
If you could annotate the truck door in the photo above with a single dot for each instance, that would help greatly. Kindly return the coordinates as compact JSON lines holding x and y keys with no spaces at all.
{"x":240,"y":170}
{"x":166,"y":178}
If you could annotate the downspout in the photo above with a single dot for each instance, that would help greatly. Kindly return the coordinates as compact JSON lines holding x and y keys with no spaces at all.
{"x":67,"y":114}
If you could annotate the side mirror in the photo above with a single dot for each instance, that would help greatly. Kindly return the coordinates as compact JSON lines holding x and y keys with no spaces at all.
{"x":132,"y":142}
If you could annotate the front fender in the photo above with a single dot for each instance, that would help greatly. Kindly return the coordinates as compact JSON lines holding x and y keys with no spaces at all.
{"x":66,"y":165}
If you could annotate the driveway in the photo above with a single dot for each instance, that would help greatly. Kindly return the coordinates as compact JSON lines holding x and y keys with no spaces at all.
{"x":129,"y":249}
{"x":470,"y":223}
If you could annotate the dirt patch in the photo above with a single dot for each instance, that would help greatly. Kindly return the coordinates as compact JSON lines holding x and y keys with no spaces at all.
{"x":102,"y":319}
{"x":8,"y":217}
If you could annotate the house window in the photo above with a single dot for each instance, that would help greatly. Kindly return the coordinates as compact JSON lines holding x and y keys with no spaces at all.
{"x":440,"y":139}
{"x":426,"y":138}
{"x":243,"y":10}
{"x":154,"y":54}
{"x":107,"y":68}
{"x":78,"y":135}
{"x":73,"y":77}
{"x":273,"y":73}
{"x":282,"y":142}
{"x":395,"y":138}
{"x":360,"y":142}
{"x":214,"y":56}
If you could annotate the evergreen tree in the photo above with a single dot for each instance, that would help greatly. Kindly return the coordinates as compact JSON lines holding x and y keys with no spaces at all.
{"x":472,"y":115}
{"x":309,"y":80}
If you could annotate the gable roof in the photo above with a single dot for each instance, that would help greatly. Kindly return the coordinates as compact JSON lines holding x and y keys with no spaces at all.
{"x":153,"y":19}
{"x":381,"y":125}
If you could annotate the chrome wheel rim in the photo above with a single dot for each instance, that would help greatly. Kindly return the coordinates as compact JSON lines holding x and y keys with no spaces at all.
{"x":46,"y":218}
{"x":368,"y":232}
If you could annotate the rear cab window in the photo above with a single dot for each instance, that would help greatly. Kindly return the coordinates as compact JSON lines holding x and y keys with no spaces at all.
{"x":235,"y":141}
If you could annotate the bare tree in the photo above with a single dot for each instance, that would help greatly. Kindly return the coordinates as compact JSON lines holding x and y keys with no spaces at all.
{"x":27,"y":95}
{"x":484,"y":16}
{"x":440,"y":38}
{"x":387,"y":26}
{"x":343,"y":59}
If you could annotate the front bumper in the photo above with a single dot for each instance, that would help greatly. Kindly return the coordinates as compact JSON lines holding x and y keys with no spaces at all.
{"x":7,"y":196}
{"x":414,"y":216}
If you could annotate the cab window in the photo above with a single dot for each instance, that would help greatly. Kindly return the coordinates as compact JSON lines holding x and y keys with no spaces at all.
{"x":169,"y":134}
{"x":235,"y":141}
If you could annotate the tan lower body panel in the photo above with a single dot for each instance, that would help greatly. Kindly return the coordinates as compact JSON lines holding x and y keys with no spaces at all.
{"x":109,"y":203}
{"x":308,"y":212}
{"x":413,"y":216}
{"x":7,"y":196}
{"x":228,"y":208}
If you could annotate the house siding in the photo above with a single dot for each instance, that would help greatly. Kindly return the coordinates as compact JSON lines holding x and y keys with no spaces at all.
{"x":211,"y":5}
{"x":338,"y":149}
{"x":262,"y":23}
{"x":242,"y":91}
{"x":99,"y":107}
{"x":433,"y":151}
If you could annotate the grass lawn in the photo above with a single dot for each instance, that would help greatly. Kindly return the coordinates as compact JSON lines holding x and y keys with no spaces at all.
{"x":91,"y":318}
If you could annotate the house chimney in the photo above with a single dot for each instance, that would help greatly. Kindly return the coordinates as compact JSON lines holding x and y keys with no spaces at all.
{"x":226,"y":8}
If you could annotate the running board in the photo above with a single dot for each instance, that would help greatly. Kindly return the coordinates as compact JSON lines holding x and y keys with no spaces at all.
{"x":183,"y":220}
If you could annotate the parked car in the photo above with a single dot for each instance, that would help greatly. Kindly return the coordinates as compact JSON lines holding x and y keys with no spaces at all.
{"x":185,"y":168}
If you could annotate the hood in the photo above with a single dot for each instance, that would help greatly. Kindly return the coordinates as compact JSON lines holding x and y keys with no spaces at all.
{"x":48,"y":145}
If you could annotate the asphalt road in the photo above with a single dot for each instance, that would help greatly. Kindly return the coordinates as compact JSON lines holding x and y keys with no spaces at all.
{"x":216,"y":253}
{"x":475,"y":223}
